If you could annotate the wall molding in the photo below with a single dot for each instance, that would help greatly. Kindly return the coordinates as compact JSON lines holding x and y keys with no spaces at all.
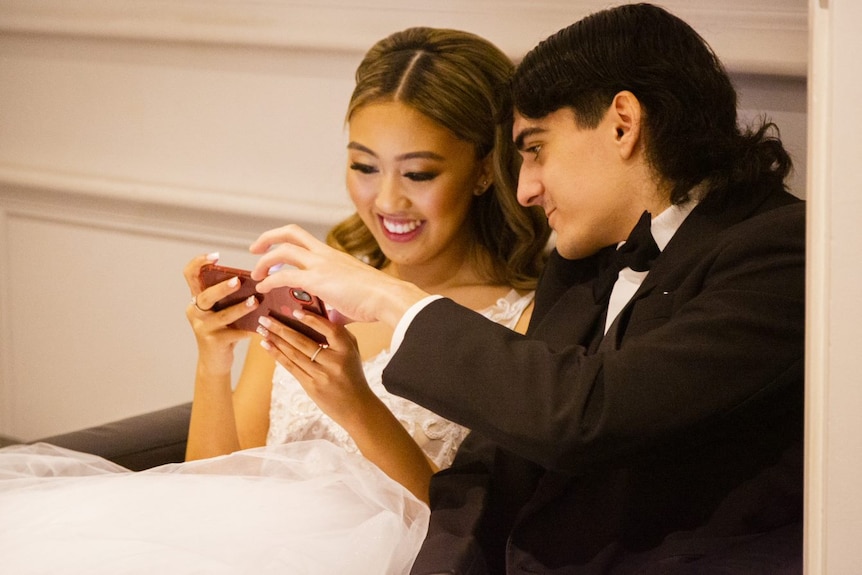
{"x":155,"y":209}
{"x":754,"y":36}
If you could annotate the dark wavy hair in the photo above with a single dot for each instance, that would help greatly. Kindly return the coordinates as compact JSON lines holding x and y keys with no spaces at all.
{"x":691,"y":127}
{"x":460,"y":81}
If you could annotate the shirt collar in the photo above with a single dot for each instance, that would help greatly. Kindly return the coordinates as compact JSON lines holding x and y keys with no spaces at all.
{"x":665,"y":225}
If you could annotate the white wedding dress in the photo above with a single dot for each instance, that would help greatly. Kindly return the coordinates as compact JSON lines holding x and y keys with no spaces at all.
{"x":307,"y":503}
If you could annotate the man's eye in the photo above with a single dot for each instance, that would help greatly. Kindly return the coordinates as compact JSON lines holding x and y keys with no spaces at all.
{"x":535,"y":151}
{"x":363,"y":168}
{"x":420,"y":176}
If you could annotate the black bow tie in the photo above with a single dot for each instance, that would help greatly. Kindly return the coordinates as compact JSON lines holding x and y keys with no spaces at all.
{"x":637,"y":253}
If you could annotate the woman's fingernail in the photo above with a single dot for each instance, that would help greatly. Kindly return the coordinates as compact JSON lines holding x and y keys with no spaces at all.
{"x":264,"y":321}
{"x":265,"y":345}
{"x":250,"y":301}
{"x":298,"y":314}
{"x":212,"y":256}
{"x":233,"y":282}
{"x":262,"y":331}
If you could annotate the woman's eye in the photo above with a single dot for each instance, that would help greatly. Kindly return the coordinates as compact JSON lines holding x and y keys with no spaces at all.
{"x":420,"y":176}
{"x":363,"y":168}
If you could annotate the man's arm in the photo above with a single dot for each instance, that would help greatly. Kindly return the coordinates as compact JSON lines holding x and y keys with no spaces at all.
{"x":716,"y":339}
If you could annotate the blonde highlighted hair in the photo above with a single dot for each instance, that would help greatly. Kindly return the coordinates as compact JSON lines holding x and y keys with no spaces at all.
{"x":459,"y":80}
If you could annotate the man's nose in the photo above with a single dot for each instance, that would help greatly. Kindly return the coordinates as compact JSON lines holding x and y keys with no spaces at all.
{"x":530,"y":189}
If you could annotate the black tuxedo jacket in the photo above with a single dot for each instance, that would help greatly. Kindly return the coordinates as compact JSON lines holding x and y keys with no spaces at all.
{"x":674,"y":446}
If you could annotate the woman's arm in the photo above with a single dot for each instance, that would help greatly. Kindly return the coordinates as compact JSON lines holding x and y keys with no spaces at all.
{"x":335,"y":381}
{"x":385,"y":442}
{"x":253,"y":396}
{"x":223,"y":421}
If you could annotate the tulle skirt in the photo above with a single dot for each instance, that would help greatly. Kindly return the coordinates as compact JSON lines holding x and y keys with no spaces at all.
{"x":306,"y":507}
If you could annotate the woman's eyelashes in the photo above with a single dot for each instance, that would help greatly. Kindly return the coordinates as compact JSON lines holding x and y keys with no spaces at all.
{"x":415,"y":176}
{"x":363,"y":168}
{"x":420,"y":176}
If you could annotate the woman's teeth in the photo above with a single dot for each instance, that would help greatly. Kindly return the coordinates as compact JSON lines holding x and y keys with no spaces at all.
{"x":401,"y":227}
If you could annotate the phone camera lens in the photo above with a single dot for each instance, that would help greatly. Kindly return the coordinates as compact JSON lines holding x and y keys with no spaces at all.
{"x":301,"y":295}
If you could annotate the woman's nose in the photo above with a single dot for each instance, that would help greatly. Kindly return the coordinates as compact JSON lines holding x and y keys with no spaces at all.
{"x":390,"y":195}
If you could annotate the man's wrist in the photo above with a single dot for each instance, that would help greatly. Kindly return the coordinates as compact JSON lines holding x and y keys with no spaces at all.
{"x":398,"y":299}
{"x":407,"y":318}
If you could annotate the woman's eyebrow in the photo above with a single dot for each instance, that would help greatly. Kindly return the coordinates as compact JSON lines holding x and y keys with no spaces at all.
{"x":408,"y":156}
{"x":421,"y":155}
{"x":359,"y":147}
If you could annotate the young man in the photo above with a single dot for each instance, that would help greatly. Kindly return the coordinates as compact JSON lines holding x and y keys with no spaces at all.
{"x":651,"y":420}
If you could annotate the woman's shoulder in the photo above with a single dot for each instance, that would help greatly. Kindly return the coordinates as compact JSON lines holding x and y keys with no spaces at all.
{"x":511,"y":309}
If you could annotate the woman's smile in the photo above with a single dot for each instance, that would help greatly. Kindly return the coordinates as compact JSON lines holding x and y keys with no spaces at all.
{"x":401,"y":229}
{"x":413,"y":183}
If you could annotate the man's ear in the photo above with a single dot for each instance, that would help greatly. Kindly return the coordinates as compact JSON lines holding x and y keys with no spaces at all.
{"x":627,"y":114}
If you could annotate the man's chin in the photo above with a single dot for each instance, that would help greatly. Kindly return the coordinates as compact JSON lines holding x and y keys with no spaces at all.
{"x":573,"y":252}
{"x":567,"y":252}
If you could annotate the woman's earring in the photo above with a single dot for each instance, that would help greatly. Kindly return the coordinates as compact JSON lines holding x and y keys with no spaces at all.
{"x":481,"y":188}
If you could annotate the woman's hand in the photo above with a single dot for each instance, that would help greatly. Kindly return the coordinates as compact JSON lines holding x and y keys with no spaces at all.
{"x":354,"y":289}
{"x":215,"y":339}
{"x":333,"y":378}
{"x":330,"y":373}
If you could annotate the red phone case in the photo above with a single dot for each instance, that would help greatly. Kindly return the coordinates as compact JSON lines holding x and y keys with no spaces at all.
{"x":278,"y":303}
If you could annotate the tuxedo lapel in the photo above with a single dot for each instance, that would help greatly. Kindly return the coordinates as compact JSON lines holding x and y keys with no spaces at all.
{"x":683,"y":253}
{"x":565,"y":312}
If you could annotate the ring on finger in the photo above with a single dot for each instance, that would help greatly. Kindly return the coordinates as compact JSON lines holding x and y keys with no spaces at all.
{"x":195,"y":303}
{"x":320,"y":347}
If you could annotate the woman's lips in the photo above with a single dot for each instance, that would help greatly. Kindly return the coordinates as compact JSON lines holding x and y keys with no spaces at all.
{"x":400,"y":229}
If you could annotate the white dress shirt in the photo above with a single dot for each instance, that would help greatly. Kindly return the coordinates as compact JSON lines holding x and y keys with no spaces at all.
{"x":662,"y":227}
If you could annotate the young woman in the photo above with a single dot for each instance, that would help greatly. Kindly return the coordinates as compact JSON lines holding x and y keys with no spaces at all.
{"x":431,"y":171}
{"x":433,"y":208}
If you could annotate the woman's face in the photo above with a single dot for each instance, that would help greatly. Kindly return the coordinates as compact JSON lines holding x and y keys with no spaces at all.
{"x":412,"y":182}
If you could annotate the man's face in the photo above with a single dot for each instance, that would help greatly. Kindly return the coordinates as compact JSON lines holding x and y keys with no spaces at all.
{"x":579,"y":178}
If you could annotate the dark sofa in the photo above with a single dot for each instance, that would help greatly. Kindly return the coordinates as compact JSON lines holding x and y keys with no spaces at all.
{"x":138,"y":442}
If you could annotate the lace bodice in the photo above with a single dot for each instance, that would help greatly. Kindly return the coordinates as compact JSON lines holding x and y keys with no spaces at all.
{"x":293,"y":416}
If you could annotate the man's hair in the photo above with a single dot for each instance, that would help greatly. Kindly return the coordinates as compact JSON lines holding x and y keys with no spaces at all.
{"x":690,"y":124}
{"x":458,"y":80}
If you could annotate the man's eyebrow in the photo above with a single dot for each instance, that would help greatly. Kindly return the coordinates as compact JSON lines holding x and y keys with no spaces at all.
{"x":526,"y":133}
{"x":408,"y":156}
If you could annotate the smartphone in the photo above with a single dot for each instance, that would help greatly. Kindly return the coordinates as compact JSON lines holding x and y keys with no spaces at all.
{"x":279,"y":303}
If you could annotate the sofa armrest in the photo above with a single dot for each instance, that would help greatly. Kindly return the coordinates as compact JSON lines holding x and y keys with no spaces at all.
{"x":138,"y":442}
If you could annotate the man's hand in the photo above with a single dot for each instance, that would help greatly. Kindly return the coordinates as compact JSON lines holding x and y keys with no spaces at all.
{"x":293,"y":257}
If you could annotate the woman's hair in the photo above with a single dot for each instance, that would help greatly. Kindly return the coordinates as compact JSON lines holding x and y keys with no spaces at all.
{"x":691,"y":129}
{"x":459,"y":80}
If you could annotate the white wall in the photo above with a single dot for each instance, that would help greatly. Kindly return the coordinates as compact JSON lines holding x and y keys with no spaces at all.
{"x":134,"y":134}
{"x":834,"y":397}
